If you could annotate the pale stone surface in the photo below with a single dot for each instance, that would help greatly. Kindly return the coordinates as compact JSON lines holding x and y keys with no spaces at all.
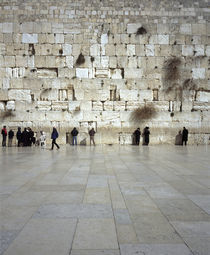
{"x":198,"y":73}
{"x":30,"y":38}
{"x":82,"y":72}
{"x":105,"y":200}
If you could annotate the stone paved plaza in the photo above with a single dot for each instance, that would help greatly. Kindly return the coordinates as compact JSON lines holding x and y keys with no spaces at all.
{"x":108,"y":200}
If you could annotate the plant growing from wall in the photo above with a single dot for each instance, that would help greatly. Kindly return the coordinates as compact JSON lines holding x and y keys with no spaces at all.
{"x":7,"y":114}
{"x":143,"y":113}
{"x":80,"y":59}
{"x":141,"y":31}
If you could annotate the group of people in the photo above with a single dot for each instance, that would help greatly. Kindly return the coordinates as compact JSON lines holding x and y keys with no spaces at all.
{"x":75,"y":132}
{"x":145,"y":135}
{"x":27,"y":138}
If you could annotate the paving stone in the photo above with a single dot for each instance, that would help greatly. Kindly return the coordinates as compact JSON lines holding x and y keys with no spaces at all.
{"x":44,"y":236}
{"x":95,"y":234}
{"x":155,"y":249}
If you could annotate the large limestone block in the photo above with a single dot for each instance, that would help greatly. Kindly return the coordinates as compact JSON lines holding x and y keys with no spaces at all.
{"x":7,"y":27}
{"x":79,"y":94}
{"x":95,"y":50}
{"x":30,"y":38}
{"x":86,"y":105}
{"x":203,"y":96}
{"x":110,"y":116}
{"x":27,"y":27}
{"x":128,"y":95}
{"x":116,"y":73}
{"x":44,"y":105}
{"x":70,"y":61}
{"x":112,"y":62}
{"x":59,"y":106}
{"x":198,"y":73}
{"x":21,"y":61}
{"x":6,"y":83}
{"x":185,"y":29}
{"x":131,"y":50}
{"x":104,"y":39}
{"x":57,"y":27}
{"x":119,"y":106}
{"x":49,"y":94}
{"x":187,"y":50}
{"x":132,"y":105}
{"x":140,"y":50}
{"x":10,"y":106}
{"x":19,"y":94}
{"x":97,"y":106}
{"x":2,"y":106}
{"x":132,"y":62}
{"x":208,"y":51}
{"x":102,"y":73}
{"x":133,"y":73}
{"x":145,"y":95}
{"x":67,"y":49}
{"x":82,"y":73}
{"x":9,"y":61}
{"x":74,"y":105}
{"x":150,"y":50}
{"x":133,"y":27}
{"x":121,"y":50}
{"x":163,"y":39}
{"x":199,"y":29}
{"x":108,"y":105}
{"x":110,"y":50}
{"x":59,"y":38}
{"x":199,"y":50}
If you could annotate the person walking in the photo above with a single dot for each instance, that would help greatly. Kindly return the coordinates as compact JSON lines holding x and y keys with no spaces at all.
{"x":10,"y":137}
{"x":74,"y":133}
{"x":137,"y":134}
{"x":18,"y":136}
{"x":54,"y":136}
{"x":92,"y":133}
{"x":184,"y":136}
{"x":146,"y":134}
{"x":4,"y":136}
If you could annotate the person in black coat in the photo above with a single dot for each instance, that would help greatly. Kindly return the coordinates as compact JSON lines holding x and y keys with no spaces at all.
{"x":54,"y":136}
{"x":18,"y":136}
{"x":10,"y":137}
{"x":4,"y":136}
{"x":184,"y":136}
{"x":74,"y":133}
{"x":146,"y":134}
{"x":137,"y":134}
{"x":25,"y":137}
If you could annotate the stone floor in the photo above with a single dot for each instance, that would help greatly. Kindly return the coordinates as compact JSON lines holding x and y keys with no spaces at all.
{"x":108,"y":200}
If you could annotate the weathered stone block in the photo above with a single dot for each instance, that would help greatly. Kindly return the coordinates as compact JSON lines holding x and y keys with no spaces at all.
{"x":187,"y":50}
{"x":104,"y":39}
{"x":86,"y":105}
{"x":59,"y":106}
{"x":110,"y":50}
{"x":199,"y":50}
{"x":97,"y":106}
{"x":67,"y":49}
{"x":133,"y":73}
{"x":127,"y":95}
{"x":121,"y":50}
{"x":59,"y":38}
{"x":108,"y":105}
{"x":131,"y":50}
{"x":30,"y":38}
{"x":9,"y":61}
{"x":198,"y":73}
{"x":10,"y":105}
{"x":163,"y":39}
{"x":116,"y":73}
{"x":199,"y":29}
{"x":44,"y":105}
{"x":81,"y":73}
{"x":145,"y":95}
{"x":6,"y":83}
{"x":79,"y":94}
{"x":102,"y":73}
{"x":140,"y":50}
{"x":150,"y":50}
{"x":2,"y":106}
{"x":95,"y":50}
{"x":208,"y":51}
{"x":74,"y":106}
{"x":186,"y":29}
{"x":112,"y":62}
{"x":119,"y":106}
{"x":49,"y":94}
{"x":203,"y":96}
{"x":133,"y":27}
{"x":17,"y":94}
{"x":7,"y":27}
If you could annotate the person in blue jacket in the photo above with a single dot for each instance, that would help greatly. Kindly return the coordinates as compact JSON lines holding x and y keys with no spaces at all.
{"x":54,"y":136}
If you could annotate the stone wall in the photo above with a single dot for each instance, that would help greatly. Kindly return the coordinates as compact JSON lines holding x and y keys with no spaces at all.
{"x":93,"y":63}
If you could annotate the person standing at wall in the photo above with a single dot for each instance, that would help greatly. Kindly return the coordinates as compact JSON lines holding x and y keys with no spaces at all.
{"x":184,"y":136}
{"x":54,"y":136}
{"x":137,"y":134}
{"x":146,"y":135}
{"x":74,"y":133}
{"x":92,"y":134}
{"x":18,"y":136}
{"x":42,"y":139}
{"x":4,"y":136}
{"x":10,"y":137}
